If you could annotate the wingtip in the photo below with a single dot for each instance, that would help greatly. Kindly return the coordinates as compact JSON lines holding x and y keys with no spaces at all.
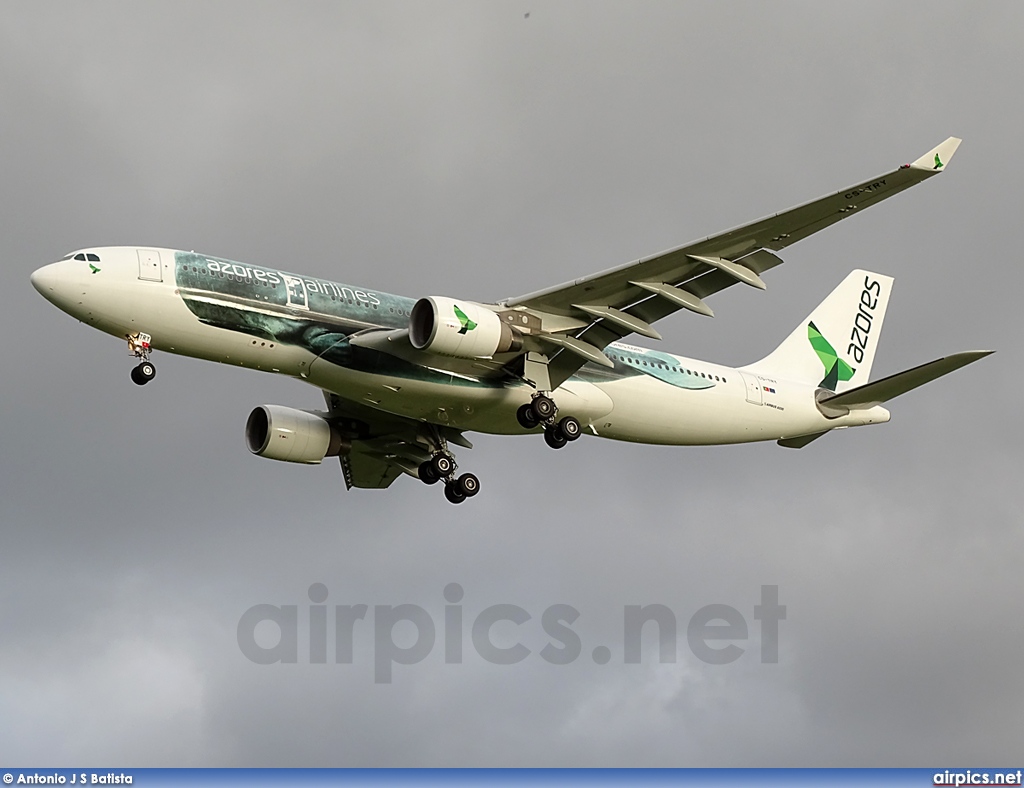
{"x":938,"y":157}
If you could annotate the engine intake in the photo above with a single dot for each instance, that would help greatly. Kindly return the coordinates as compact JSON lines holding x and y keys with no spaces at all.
{"x":291,"y":435}
{"x":459,"y":328}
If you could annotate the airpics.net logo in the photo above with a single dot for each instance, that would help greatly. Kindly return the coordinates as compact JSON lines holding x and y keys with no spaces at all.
{"x":716,"y":634}
{"x":969,"y":777}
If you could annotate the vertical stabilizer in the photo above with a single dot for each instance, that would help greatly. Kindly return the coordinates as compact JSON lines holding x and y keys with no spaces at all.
{"x":835,"y":346}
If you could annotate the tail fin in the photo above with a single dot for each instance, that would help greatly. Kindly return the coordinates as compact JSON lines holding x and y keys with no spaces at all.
{"x":835,"y":346}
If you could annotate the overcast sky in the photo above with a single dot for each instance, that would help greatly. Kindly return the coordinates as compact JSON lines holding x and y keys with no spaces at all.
{"x":486,"y":150}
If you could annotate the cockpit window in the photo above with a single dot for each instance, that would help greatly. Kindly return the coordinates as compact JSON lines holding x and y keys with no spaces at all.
{"x":80,"y":256}
{"x":92,"y":258}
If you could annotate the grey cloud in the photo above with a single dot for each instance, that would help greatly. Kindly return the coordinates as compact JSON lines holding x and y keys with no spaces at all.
{"x":463,"y":149}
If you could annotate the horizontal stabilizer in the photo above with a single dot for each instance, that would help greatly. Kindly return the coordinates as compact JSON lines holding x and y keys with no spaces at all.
{"x":871,"y":394}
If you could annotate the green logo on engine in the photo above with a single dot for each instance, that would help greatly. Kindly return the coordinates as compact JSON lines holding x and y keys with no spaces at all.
{"x":467,"y":324}
{"x":835,"y":368}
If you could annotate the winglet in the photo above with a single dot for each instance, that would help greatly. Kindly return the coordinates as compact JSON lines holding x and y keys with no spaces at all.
{"x":937,"y":158}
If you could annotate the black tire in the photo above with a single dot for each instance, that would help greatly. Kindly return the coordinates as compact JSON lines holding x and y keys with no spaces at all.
{"x":144,"y":373}
{"x":526,"y":417}
{"x":443,"y":465}
{"x":453,"y":493}
{"x":428,"y":475}
{"x":570,"y":428}
{"x":469,"y":485}
{"x":554,"y":438}
{"x":543,"y":407}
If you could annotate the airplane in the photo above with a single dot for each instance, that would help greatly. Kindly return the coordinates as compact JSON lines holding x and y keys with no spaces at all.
{"x":404,"y":379}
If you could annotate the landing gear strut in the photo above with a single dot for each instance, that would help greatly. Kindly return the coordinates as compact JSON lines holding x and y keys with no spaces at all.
{"x":139,"y":347}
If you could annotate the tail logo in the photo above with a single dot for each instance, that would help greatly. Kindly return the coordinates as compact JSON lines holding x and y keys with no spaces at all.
{"x":835,"y":368}
{"x":467,"y":324}
{"x":938,"y":163}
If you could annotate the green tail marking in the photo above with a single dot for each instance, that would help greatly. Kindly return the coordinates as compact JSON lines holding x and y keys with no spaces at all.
{"x":938,"y":163}
{"x":95,"y":270}
{"x":835,"y":368}
{"x":467,"y":324}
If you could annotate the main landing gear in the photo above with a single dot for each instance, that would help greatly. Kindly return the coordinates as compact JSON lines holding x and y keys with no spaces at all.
{"x":139,"y":347}
{"x":543,"y":411}
{"x":441,"y":467}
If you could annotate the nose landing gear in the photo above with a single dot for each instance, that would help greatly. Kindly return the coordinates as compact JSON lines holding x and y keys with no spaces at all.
{"x":139,"y":347}
{"x":143,"y":373}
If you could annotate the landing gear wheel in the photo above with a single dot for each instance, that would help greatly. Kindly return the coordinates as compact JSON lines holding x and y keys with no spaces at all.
{"x":443,"y":465}
{"x":453,"y":493}
{"x":468,"y":485}
{"x":143,"y":373}
{"x":570,"y":428}
{"x":554,"y":438}
{"x":526,"y":417}
{"x":427,"y":473}
{"x":543,"y":407}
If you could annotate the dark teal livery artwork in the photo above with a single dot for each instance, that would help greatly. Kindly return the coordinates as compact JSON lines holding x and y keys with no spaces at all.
{"x":320,"y":316}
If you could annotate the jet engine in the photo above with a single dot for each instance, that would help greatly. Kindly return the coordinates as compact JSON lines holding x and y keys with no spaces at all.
{"x":459,"y":328}
{"x":291,"y":435}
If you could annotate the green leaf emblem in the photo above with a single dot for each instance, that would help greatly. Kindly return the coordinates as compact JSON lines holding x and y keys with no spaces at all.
{"x":835,"y":368}
{"x":467,"y":324}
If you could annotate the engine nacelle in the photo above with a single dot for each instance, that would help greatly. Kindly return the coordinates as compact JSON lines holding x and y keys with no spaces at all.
{"x":291,"y":435}
{"x":459,"y":328}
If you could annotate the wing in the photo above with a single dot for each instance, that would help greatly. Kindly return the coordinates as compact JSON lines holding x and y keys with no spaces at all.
{"x":615,"y":303}
{"x":368,"y":470}
{"x":384,"y":446}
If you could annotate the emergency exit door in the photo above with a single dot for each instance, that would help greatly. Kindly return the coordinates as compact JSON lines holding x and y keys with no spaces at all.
{"x":753,"y":389}
{"x":149,"y":265}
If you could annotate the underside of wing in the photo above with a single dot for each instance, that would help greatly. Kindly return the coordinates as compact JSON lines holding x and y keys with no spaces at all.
{"x":384,"y":446}
{"x":368,"y":470}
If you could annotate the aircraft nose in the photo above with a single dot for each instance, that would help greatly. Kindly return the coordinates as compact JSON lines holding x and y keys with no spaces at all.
{"x":45,"y":279}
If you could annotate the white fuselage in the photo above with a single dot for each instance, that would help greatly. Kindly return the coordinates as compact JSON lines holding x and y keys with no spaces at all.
{"x":650,"y":396}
